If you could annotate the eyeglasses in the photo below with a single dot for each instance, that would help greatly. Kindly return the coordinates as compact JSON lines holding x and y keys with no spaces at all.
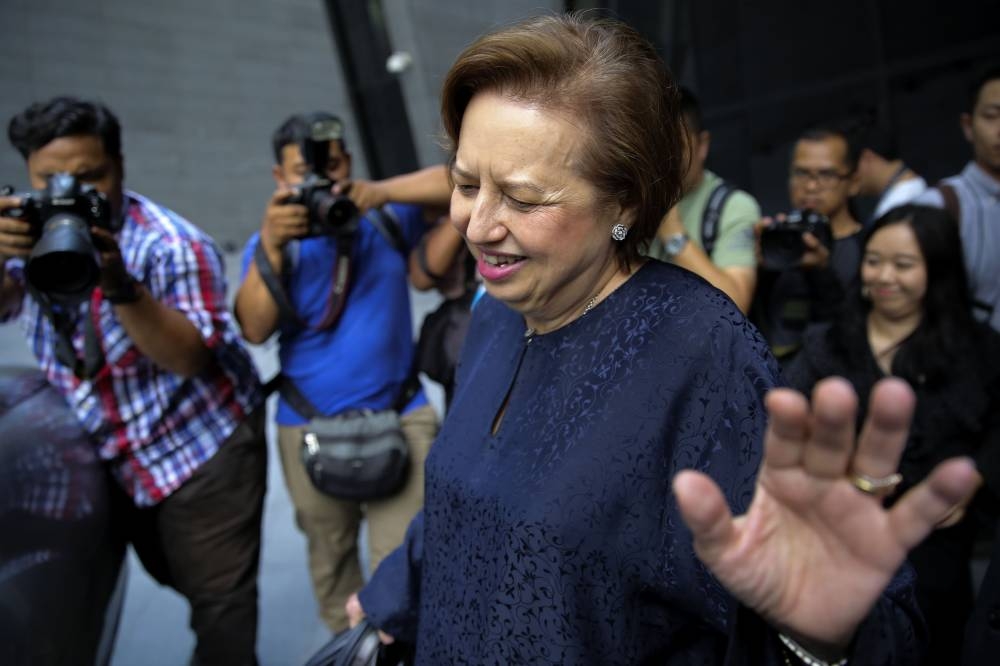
{"x":824,"y":177}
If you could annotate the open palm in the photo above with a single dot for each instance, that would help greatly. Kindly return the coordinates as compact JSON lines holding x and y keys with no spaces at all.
{"x":813,"y":553}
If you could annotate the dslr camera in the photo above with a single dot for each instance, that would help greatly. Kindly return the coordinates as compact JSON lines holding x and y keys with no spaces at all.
{"x":63,"y":263}
{"x":329,"y":213}
{"x":781,"y":245}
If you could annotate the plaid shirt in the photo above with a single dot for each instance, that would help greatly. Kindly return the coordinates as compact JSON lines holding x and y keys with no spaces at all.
{"x":154,"y":427}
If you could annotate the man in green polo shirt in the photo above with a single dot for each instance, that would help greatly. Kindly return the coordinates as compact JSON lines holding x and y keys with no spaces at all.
{"x":710,"y":231}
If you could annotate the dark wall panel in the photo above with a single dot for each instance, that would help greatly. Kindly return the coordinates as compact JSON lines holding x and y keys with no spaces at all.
{"x":764,"y":71}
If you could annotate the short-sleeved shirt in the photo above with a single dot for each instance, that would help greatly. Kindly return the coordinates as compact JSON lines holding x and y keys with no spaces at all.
{"x":154,"y":427}
{"x":364,"y":359}
{"x":979,"y":206}
{"x":900,"y":193}
{"x":734,"y":243}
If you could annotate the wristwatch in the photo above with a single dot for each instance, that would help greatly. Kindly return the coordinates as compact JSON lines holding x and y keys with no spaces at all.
{"x":674,"y":244}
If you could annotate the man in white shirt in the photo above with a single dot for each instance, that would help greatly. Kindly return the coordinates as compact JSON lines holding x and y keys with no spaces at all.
{"x":882,"y":172}
{"x":973,"y":196}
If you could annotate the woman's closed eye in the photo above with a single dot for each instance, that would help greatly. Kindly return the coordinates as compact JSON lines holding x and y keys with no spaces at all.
{"x":523,"y":206}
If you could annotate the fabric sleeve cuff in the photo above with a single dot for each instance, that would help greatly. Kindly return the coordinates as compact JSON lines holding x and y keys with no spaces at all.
{"x":391,"y":599}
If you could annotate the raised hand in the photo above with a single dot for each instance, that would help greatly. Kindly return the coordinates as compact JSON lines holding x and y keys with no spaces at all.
{"x":814,"y":552}
{"x":282,"y":222}
{"x":114,"y":276}
{"x":366,"y":194}
{"x":816,"y":255}
{"x":16,"y":239}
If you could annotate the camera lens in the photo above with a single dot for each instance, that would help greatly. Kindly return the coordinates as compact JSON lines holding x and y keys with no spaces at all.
{"x":335,"y":211}
{"x":781,"y":247}
{"x":63,"y":263}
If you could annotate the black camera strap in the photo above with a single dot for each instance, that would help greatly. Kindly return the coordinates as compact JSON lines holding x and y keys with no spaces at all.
{"x":337,"y":298}
{"x":64,"y":323}
{"x":385,"y":222}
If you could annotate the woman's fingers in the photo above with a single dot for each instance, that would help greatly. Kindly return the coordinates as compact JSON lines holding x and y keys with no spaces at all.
{"x":355,"y":613}
{"x":705,"y":511}
{"x":787,"y":427}
{"x":886,"y":429}
{"x":829,"y":447}
{"x":925,"y":505}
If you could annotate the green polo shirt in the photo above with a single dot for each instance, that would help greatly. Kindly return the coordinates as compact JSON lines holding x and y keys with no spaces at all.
{"x":734,"y":242}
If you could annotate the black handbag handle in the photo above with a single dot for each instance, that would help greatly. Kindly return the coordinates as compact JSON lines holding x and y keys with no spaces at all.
{"x":360,"y":646}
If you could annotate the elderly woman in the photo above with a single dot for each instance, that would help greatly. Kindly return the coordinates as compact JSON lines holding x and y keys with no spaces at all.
{"x":554,"y":523}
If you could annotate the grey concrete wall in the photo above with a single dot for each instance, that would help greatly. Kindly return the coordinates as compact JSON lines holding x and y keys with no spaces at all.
{"x":434,"y":32}
{"x":199,"y":85}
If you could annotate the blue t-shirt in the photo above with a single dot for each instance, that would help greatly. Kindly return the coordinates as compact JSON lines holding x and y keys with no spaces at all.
{"x":364,"y":359}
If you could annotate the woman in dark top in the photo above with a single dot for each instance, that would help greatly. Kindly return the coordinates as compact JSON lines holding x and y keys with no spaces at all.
{"x":911,"y":318}
{"x":558,"y":526}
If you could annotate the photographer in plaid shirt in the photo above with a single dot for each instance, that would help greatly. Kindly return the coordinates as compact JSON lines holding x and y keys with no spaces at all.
{"x":154,"y":370}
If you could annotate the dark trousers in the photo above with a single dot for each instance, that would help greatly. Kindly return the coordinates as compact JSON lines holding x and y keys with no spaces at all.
{"x":204,"y":541}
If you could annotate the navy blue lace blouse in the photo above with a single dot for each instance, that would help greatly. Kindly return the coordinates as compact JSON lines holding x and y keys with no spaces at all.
{"x":557,"y":540}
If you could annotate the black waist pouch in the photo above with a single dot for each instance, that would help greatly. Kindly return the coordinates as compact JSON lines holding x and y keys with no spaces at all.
{"x":358,"y":455}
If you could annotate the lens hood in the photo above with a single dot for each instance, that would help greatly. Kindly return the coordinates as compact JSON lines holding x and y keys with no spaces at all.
{"x":63,"y":263}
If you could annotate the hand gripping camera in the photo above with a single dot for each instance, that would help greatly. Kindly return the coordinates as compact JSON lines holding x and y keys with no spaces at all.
{"x":329,"y":214}
{"x":781,"y":245}
{"x":64,"y":262}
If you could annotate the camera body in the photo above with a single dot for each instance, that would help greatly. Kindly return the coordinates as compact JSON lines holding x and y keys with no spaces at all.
{"x":63,"y":263}
{"x":329,"y":213}
{"x":781,"y":245}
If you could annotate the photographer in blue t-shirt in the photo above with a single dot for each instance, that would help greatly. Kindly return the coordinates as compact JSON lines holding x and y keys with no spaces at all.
{"x":342,"y":349}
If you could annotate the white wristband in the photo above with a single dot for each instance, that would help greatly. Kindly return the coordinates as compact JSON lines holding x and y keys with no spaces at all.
{"x":802,"y":655}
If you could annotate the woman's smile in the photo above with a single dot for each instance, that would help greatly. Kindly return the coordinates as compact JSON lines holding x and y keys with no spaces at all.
{"x":495,"y":267}
{"x":540,"y":231}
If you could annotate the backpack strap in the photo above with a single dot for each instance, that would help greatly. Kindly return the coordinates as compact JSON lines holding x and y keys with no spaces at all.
{"x":411,"y":386}
{"x":422,"y":261}
{"x":386,"y":222}
{"x":713,"y":213}
{"x":951,"y":203}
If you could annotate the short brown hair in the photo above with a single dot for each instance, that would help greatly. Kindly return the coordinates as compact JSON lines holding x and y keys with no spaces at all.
{"x":605,"y":73}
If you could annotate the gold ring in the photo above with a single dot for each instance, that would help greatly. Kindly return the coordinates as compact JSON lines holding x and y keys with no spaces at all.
{"x":877,"y":486}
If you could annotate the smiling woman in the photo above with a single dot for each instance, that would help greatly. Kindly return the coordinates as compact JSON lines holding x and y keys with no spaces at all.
{"x":540,"y":231}
{"x":912,"y":318}
{"x":558,"y":527}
